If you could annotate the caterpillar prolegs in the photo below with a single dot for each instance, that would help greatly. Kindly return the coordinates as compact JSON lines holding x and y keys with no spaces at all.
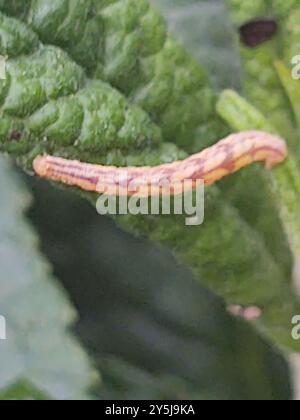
{"x":212,"y":164}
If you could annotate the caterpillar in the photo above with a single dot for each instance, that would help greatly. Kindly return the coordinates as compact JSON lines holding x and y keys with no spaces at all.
{"x":212,"y":164}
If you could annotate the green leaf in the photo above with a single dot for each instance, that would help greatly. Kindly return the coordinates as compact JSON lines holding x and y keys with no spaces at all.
{"x":46,"y":95}
{"x":22,"y":391}
{"x":284,"y":179}
{"x":106,"y":38}
{"x":261,"y":83}
{"x":154,"y":331}
{"x":230,"y":252}
{"x":270,"y":87}
{"x":39,"y":348}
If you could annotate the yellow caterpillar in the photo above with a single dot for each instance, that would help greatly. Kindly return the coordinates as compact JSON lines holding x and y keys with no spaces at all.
{"x":212,"y":164}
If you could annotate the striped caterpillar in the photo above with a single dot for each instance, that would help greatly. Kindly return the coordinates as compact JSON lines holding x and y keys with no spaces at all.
{"x":212,"y":164}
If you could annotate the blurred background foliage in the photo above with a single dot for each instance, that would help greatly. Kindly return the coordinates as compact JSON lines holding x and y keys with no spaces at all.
{"x":40,"y":355}
{"x":154,"y":332}
{"x":149,"y":328}
{"x":204,"y":27}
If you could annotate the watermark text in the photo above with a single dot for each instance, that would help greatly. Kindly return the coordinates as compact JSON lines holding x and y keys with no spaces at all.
{"x":163,"y":198}
{"x":2,"y":67}
{"x":2,"y":328}
{"x":296,"y":329}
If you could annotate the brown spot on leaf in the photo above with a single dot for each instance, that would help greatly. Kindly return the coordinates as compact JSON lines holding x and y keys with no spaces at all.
{"x":257,"y":31}
{"x":15,"y":135}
